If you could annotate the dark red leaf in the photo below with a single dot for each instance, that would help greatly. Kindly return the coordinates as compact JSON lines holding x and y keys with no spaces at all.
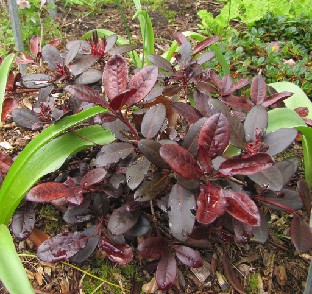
{"x":77,"y":214}
{"x":179,"y":37}
{"x":46,"y":192}
{"x":240,"y":206}
{"x":301,"y":234}
{"x":287,"y":167}
{"x":188,"y":256}
{"x":140,"y":228}
{"x":72,"y":52}
{"x":255,"y":123}
{"x":216,"y":80}
{"x":247,"y":165}
{"x":305,"y":194}
{"x":122,"y":220}
{"x":258,"y":90}
{"x":181,"y":219}
{"x":150,"y":149}
{"x":93,"y":177}
{"x":110,"y":42}
{"x":84,"y":46}
{"x":90,"y":76}
{"x":279,"y":140}
{"x":115,"y":76}
{"x":261,"y":233}
{"x":230,"y":274}
{"x":237,"y":102}
{"x":36,"y":81}
{"x":239,"y":84}
{"x":190,"y":142}
{"x":118,"y":253}
{"x":93,"y":233}
{"x":270,"y":178}
{"x":5,"y":162}
{"x":119,"y":50}
{"x":153,"y":247}
{"x":181,"y":161}
{"x":52,"y":56}
{"x":166,"y":272}
{"x":210,"y":204}
{"x":7,"y":107}
{"x":205,"y":43}
{"x":23,"y":221}
{"x":82,"y":63}
{"x":160,"y":62}
{"x":136,"y":172}
{"x":202,"y":104}
{"x":112,"y":153}
{"x":144,"y":80}
{"x":86,"y":94}
{"x":34,"y":45}
{"x":153,"y":120}
{"x":276,"y":98}
{"x":204,"y":57}
{"x":237,"y":132}
{"x":62,"y":246}
{"x":214,"y":137}
{"x":191,"y":114}
{"x":121,"y":99}
{"x":149,"y":189}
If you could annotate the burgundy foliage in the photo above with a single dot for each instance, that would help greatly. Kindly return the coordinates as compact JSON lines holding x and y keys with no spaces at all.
{"x":171,"y":176}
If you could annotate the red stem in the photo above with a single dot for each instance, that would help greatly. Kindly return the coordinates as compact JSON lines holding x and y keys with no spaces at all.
{"x":272,"y":202}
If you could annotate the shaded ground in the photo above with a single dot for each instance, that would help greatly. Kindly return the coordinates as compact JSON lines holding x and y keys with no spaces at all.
{"x":274,"y":267}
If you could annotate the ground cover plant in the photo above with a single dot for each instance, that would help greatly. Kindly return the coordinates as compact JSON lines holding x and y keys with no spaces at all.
{"x":192,"y":165}
{"x":186,"y":139}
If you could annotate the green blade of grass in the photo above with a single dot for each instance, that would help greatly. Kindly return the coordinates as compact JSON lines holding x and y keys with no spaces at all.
{"x":4,"y":73}
{"x":12,"y":272}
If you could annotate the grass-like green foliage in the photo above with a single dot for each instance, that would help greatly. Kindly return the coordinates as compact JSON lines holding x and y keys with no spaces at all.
{"x":4,"y":72}
{"x":12,"y":272}
{"x":249,"y":11}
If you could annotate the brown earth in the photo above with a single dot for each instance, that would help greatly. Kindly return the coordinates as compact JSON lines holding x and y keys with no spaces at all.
{"x":274,"y":267}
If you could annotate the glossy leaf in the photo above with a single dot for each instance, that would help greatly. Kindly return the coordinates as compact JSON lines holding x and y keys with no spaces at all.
{"x":77,"y":214}
{"x":93,"y":177}
{"x":93,"y":233}
{"x":122,"y":220}
{"x":277,"y":97}
{"x":150,"y":149}
{"x":287,"y":167}
{"x":191,"y":114}
{"x":190,"y":142}
{"x":166,"y":272}
{"x":23,"y":221}
{"x":12,"y":271}
{"x":136,"y":172}
{"x":120,"y":100}
{"x":247,"y":165}
{"x":213,"y":138}
{"x":87,"y":94}
{"x":8,"y":106}
{"x":140,"y":228}
{"x":205,"y":43}
{"x":301,"y":234}
{"x":115,"y":76}
{"x":90,"y":76}
{"x":256,"y":122}
{"x":46,"y":192}
{"x":279,"y":140}
{"x":258,"y":89}
{"x":153,"y":247}
{"x":241,"y":207}
{"x":237,"y":131}
{"x":112,"y":153}
{"x":118,"y":253}
{"x":181,"y":161}
{"x":82,"y":63}
{"x":270,"y":178}
{"x":143,"y":81}
{"x":181,"y":204}
{"x":72,"y":53}
{"x":153,"y":120}
{"x":288,"y":198}
{"x":188,"y":256}
{"x":210,"y":204}
{"x":62,"y":246}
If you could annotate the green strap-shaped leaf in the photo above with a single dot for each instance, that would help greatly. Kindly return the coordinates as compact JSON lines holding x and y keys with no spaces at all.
{"x":283,"y":118}
{"x":307,"y":152}
{"x":44,"y":160}
{"x":4,"y":72}
{"x":12,"y":272}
